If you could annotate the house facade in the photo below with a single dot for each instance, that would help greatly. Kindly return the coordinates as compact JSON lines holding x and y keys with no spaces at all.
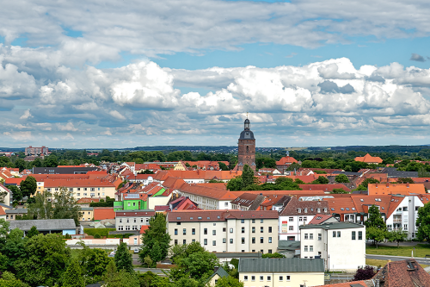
{"x":342,"y":245}
{"x":132,"y":219}
{"x":225,"y":231}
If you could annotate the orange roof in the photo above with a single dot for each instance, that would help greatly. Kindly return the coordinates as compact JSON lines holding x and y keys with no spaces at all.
{"x":286,"y":160}
{"x":404,"y":189}
{"x":421,"y":179}
{"x":306,"y":178}
{"x":143,"y":228}
{"x":319,"y":218}
{"x":346,"y":284}
{"x":325,"y":187}
{"x":173,"y":183}
{"x":13,"y":180}
{"x":215,"y":193}
{"x":197,"y":174}
{"x":101,"y":213}
{"x":220,"y":185}
{"x":87,"y":200}
{"x":2,"y":212}
{"x":369,"y":159}
{"x":50,"y":183}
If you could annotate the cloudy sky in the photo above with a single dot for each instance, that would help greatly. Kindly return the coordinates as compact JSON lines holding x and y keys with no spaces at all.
{"x":86,"y":74}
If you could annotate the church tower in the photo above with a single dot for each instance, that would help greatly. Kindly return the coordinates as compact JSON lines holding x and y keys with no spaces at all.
{"x":246,"y":147}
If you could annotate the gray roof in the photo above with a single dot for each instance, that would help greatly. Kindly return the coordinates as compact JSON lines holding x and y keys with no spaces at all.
{"x":332,"y":225}
{"x":87,"y":208}
{"x":221,"y":273}
{"x":16,"y":211}
{"x":43,"y":224}
{"x":288,"y":245}
{"x":6,"y":206}
{"x":281,"y":265}
{"x":246,"y":135}
{"x":393,"y":172}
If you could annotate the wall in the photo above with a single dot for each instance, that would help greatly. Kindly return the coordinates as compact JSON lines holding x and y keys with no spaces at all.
{"x":296,"y":279}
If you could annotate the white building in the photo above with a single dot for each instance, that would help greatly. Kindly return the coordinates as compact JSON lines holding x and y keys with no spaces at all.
{"x":342,"y":245}
{"x":206,"y":197}
{"x":297,"y":213}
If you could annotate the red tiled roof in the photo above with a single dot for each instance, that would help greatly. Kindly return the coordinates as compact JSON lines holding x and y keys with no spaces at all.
{"x":126,"y":213}
{"x":404,"y":189}
{"x":320,"y":218}
{"x":2,"y":212}
{"x":312,"y":207}
{"x":286,"y":160}
{"x":215,"y":193}
{"x":369,"y":159}
{"x":403,"y":273}
{"x":219,"y":215}
{"x":325,"y":187}
{"x":101,"y":213}
{"x":349,"y":284}
{"x":143,"y":228}
{"x":87,"y":200}
{"x":214,"y":185}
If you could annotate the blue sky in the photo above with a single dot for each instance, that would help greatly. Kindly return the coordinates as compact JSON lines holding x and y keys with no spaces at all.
{"x":81,"y":74}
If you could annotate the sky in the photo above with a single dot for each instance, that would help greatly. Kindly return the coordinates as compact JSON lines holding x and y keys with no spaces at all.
{"x":119,"y":74}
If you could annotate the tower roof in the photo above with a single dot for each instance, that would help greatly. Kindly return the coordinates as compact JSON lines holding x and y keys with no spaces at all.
{"x":246,"y":135}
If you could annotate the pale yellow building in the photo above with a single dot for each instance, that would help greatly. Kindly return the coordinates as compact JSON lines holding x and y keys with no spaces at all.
{"x":225,"y":230}
{"x":281,"y":272}
{"x":87,"y":214}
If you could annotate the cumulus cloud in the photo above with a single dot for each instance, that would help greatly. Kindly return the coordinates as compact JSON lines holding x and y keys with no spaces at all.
{"x":417,"y":58}
{"x":26,"y":115}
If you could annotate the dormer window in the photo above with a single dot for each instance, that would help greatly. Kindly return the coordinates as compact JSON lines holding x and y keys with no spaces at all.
{"x":319,"y":210}
{"x":325,"y":209}
{"x":306,"y":210}
{"x":299,"y":210}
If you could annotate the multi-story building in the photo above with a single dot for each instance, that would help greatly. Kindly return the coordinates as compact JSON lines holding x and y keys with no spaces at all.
{"x":132,"y":219}
{"x":87,"y":214}
{"x":224,"y":230}
{"x":297,"y":213}
{"x":36,"y":150}
{"x":206,"y":197}
{"x":280,"y":272}
{"x":342,"y":245}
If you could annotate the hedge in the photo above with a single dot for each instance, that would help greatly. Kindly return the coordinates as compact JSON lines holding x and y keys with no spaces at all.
{"x":102,"y":232}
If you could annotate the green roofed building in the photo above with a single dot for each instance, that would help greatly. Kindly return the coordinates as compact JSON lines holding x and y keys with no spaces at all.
{"x":277,"y":272}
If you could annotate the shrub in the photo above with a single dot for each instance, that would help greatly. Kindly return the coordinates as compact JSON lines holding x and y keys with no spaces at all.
{"x":102,"y":232}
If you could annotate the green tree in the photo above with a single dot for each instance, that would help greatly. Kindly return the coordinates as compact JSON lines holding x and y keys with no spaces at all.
{"x":66,"y":206}
{"x":423,"y":223}
{"x":28,"y":186}
{"x":338,"y":191}
{"x":14,"y":248}
{"x":273,"y":255}
{"x":51,"y":161}
{"x":42,"y":207}
{"x":32,"y":232}
{"x":341,"y":178}
{"x":321,"y":180}
{"x":405,"y":180}
{"x":113,"y":278}
{"x":123,"y":258}
{"x":16,"y":192}
{"x":4,"y":229}
{"x":8,"y":280}
{"x":73,"y":275}
{"x":94,"y":263}
{"x":228,"y":281}
{"x":397,"y":236}
{"x":4,"y":263}
{"x":223,"y":166}
{"x":21,"y":164}
{"x":199,"y":264}
{"x":156,"y":234}
{"x":376,"y":234}
{"x":46,"y":260}
{"x":366,"y":182}
{"x":247,"y":176}
{"x":375,"y":219}
{"x":235,"y":183}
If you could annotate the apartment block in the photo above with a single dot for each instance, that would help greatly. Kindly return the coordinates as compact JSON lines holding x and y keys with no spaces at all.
{"x":225,"y":231}
{"x":132,"y":219}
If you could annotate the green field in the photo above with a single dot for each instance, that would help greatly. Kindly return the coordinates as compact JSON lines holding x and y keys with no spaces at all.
{"x":420,"y":250}
{"x":382,"y":263}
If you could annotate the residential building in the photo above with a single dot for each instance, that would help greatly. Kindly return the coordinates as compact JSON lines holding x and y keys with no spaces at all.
{"x":284,"y":163}
{"x":36,"y":150}
{"x":280,"y":272}
{"x":219,"y":273}
{"x":87,"y":214}
{"x":369,"y":159}
{"x":126,"y":220}
{"x":11,"y":214}
{"x":63,"y":170}
{"x":297,"y":213}
{"x":5,"y":195}
{"x":331,"y":241}
{"x":225,"y":230}
{"x":206,"y":197}
{"x":102,"y":213}
{"x":246,"y":148}
{"x":402,"y":273}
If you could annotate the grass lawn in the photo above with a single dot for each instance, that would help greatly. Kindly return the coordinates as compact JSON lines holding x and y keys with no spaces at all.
{"x":381,"y":263}
{"x":421,"y":250}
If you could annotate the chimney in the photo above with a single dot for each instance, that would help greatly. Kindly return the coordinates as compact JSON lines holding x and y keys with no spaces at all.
{"x":407,"y":184}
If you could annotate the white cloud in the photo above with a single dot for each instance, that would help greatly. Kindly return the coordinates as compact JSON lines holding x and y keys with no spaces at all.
{"x":117,"y":115}
{"x":26,"y":115}
{"x":67,"y":127}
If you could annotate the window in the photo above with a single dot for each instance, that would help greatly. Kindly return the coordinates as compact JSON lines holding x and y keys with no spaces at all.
{"x":184,"y":241}
{"x":405,"y":227}
{"x":242,"y":221}
{"x":261,"y":229}
{"x":243,"y":229}
{"x":253,"y":221}
{"x":338,"y":234}
{"x":269,"y":278}
{"x":253,"y":240}
{"x":214,"y":243}
{"x":306,"y":236}
{"x":270,"y":229}
{"x":120,"y":227}
{"x":360,"y":235}
{"x":243,"y":240}
{"x":300,"y":218}
{"x":176,"y":241}
{"x":270,"y":239}
{"x":261,"y":220}
{"x":231,"y":230}
{"x":127,"y":227}
{"x":205,"y":241}
{"x":176,"y":232}
{"x":319,"y":236}
{"x":269,"y":251}
{"x":290,"y":219}
{"x":134,"y":220}
{"x":120,"y":220}
{"x":245,"y":278}
{"x":405,"y":208}
{"x":261,"y":239}
{"x":353,"y":235}
{"x":291,"y":228}
{"x":305,"y":249}
{"x":205,"y":231}
{"x":253,"y":229}
{"x":261,"y":278}
{"x":223,"y":240}
{"x":213,"y":232}
{"x":281,"y":278}
{"x":231,"y":240}
{"x":252,"y":278}
{"x":311,"y":236}
{"x":224,"y":229}
{"x":334,"y":233}
{"x":305,"y":219}
{"x":184,"y":231}
{"x":78,"y":194}
{"x":193,"y":231}
{"x":311,"y":248}
{"x":288,"y":277}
